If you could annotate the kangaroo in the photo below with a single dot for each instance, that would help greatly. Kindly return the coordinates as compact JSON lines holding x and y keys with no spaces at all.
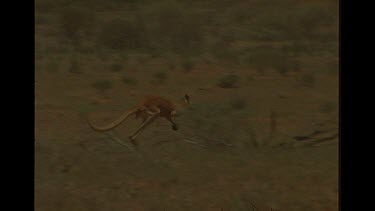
{"x":148,"y":109}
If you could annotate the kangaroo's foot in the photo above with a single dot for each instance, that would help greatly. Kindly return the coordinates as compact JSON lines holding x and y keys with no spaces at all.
{"x":132,"y":140}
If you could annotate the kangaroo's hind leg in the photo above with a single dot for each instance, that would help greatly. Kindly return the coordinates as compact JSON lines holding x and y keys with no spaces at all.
{"x":142,"y":127}
{"x":169,"y":118}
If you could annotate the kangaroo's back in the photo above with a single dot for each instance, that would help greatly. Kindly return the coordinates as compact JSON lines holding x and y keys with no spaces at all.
{"x":149,"y":109}
{"x":166,"y":106}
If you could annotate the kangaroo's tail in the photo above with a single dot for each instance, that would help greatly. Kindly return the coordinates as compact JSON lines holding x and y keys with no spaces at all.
{"x":115,"y":123}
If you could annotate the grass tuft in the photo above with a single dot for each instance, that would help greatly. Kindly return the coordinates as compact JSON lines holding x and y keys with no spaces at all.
{"x":129,"y":81}
{"x":228,"y":81}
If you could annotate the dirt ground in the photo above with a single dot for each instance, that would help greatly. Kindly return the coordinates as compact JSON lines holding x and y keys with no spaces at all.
{"x":262,"y":77}
{"x":80,"y":169}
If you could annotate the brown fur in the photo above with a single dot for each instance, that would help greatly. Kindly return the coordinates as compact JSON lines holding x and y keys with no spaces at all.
{"x":148,"y":109}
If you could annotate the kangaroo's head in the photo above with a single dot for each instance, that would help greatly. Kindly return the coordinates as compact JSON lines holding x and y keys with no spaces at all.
{"x":180,"y":106}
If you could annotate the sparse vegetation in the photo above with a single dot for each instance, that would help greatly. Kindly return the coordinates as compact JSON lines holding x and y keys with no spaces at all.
{"x":103,"y":85}
{"x":238,"y":104}
{"x":116,"y":67}
{"x":84,"y":109}
{"x":187,"y":65}
{"x":129,"y":81}
{"x":119,"y":34}
{"x":76,"y":23}
{"x":211,"y":123}
{"x":172,"y":28}
{"x":160,"y":76}
{"x":182,"y":29}
{"x":268,"y":58}
{"x":283,"y":69}
{"x":228,"y":81}
{"x":125,"y":50}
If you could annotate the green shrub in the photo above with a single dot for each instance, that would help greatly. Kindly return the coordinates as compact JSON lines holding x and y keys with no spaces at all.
{"x":228,"y":81}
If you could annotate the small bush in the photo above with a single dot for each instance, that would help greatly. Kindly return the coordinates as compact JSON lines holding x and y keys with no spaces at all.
{"x":116,"y":67}
{"x":129,"y":81}
{"x":238,"y":104}
{"x":160,"y":76}
{"x":187,"y":65}
{"x":103,"y":85}
{"x":228,"y":81}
